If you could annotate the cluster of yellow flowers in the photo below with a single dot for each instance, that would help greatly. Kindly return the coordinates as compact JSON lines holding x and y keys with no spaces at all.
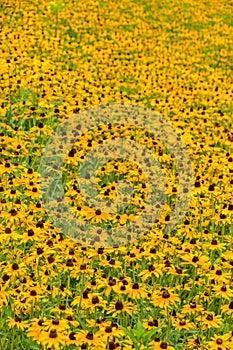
{"x":165,"y":290}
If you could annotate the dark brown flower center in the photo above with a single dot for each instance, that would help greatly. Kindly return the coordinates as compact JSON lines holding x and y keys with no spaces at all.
{"x":224,"y":289}
{"x":72,"y":336}
{"x":151,"y":268}
{"x":165,"y":294}
{"x":18,"y":319}
{"x":90,"y":336}
{"x":182,"y":323}
{"x":112,"y":282}
{"x":195,"y":259}
{"x":135,"y":286}
{"x":15,"y":266}
{"x":55,"y":322}
{"x":95,"y":300}
{"x":53,"y":334}
{"x":209,"y":317}
{"x":119,"y":305}
{"x":108,"y":329}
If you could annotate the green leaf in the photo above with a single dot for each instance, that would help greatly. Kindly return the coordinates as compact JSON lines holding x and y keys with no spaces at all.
{"x":56,"y":6}
{"x":72,"y":33}
{"x":131,"y":336}
{"x":8,"y":311}
{"x":150,"y":334}
{"x":140,"y":326}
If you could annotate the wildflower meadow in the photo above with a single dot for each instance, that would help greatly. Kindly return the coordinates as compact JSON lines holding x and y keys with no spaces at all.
{"x":131,"y":248}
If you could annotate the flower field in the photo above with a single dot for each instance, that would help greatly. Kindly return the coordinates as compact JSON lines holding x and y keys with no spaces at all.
{"x":164,"y":290}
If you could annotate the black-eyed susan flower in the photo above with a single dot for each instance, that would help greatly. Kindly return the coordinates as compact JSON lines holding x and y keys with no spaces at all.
{"x":52,"y":338}
{"x":228,"y":308}
{"x":209,"y":320}
{"x":35,"y":328}
{"x":192,"y":308}
{"x":87,"y":338}
{"x":220,"y":341}
{"x":183,"y":324}
{"x":137,"y":291}
{"x":223,"y":291}
{"x":17,"y":322}
{"x":117,"y":307}
{"x":165,"y":298}
{"x":152,"y":270}
{"x":158,"y":345}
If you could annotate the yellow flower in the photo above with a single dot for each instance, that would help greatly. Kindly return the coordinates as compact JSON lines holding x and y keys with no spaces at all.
{"x":118,"y":307}
{"x":153,"y":270}
{"x":209,"y":320}
{"x":192,"y":308}
{"x":165,"y":298}
{"x":57,"y":324}
{"x":52,"y":338}
{"x":182,"y":324}
{"x":223,"y":291}
{"x":18,"y":322}
{"x":220,"y":341}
